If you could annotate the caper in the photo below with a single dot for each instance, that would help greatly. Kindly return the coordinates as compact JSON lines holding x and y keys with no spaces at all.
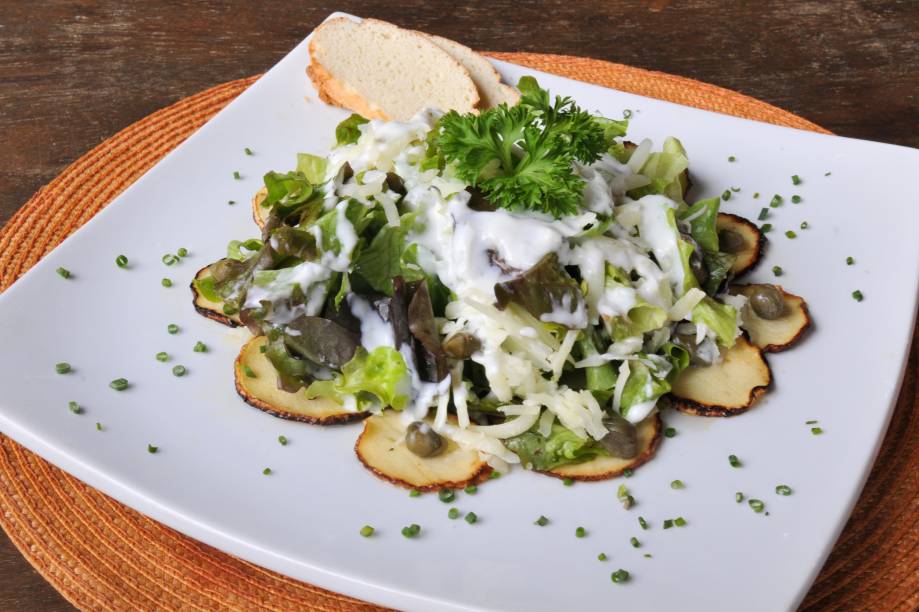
{"x":622,"y":439}
{"x":461,"y":345}
{"x":730,"y":241}
{"x":395,"y":183}
{"x":422,"y":440}
{"x":767,"y":301}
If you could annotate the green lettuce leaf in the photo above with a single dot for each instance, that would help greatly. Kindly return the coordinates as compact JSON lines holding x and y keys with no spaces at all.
{"x":560,"y":448}
{"x":665,"y":169}
{"x":718,"y":266}
{"x":347,"y":131}
{"x":702,"y":216}
{"x":235,"y":248}
{"x":642,"y":318}
{"x":312,"y":167}
{"x":642,"y":386}
{"x":718,"y":317}
{"x":601,"y":379}
{"x":677,"y":356}
{"x":381,"y":373}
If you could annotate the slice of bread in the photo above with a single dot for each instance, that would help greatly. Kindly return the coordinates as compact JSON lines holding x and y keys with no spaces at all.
{"x":384,"y":72}
{"x":491,"y":90}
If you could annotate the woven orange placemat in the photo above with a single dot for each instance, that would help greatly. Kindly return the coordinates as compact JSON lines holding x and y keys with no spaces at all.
{"x":101,"y":554}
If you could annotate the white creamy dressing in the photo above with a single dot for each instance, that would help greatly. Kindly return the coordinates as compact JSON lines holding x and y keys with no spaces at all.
{"x":309,"y":276}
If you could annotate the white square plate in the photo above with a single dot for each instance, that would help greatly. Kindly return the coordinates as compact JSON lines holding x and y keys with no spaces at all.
{"x":303,"y":520}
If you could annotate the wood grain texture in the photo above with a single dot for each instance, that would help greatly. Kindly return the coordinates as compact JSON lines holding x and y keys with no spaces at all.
{"x":74,"y":72}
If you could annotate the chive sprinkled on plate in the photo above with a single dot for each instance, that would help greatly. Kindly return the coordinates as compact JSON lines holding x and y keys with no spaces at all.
{"x":248,"y":151}
{"x":647,"y":555}
{"x":677,"y":484}
{"x":199,"y":347}
{"x":776,"y":201}
{"x":795,"y":179}
{"x":620,"y":576}
{"x":568,"y":482}
{"x":668,"y":523}
{"x":119,"y":384}
{"x":816,"y":431}
{"x":172,"y":328}
{"x":453,"y":513}
{"x":804,"y":225}
{"x":98,"y":426}
{"x":267,"y":471}
{"x":642,"y":522}
{"x":627,"y":472}
{"x":670,"y":432}
{"x":828,"y":174}
{"x":626,"y":114}
{"x":763,"y":213}
{"x":796,"y":199}
{"x":541,"y":521}
{"x":679,"y":521}
{"x":738,"y":497}
{"x":732,"y":158}
{"x":734,"y":461}
{"x":757,"y":505}
{"x":75,"y":408}
{"x":857,"y":295}
{"x":602,"y":557}
{"x":282,"y":440}
{"x":121,"y":261}
{"x":63,"y":272}
{"x":236,"y":175}
{"x":231,"y":202}
{"x":494,"y":475}
{"x":414,"y":493}
{"x":152,"y":449}
{"x":411,"y":531}
{"x":169,"y":259}
{"x":783,"y":490}
{"x":623,"y":495}
{"x":162,"y":356}
{"x":446,"y":495}
{"x":366,"y":531}
{"x":777,"y":270}
{"x":756,"y":196}
{"x":580,"y":532}
{"x":735,"y":189}
{"x":765,"y":228}
{"x":182,"y":252}
{"x":179,"y":370}
{"x":166,"y":282}
{"x":471,"y":490}
{"x":811,"y":422}
{"x":726,"y":195}
{"x":790,"y":234}
{"x":471,"y":518}
{"x":634,"y":542}
{"x":62,"y":368}
{"x":850,"y":261}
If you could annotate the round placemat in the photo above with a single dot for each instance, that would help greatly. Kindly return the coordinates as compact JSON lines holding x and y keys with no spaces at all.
{"x":101,"y":554}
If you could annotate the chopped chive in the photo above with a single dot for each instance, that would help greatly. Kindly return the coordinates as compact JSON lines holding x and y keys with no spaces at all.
{"x":857,"y":295}
{"x":248,"y":151}
{"x":471,"y":518}
{"x":236,"y":175}
{"x":282,"y":440}
{"x":816,"y":431}
{"x":647,"y":555}
{"x":670,"y":432}
{"x":625,"y":497}
{"x":795,"y":179}
{"x":119,"y":384}
{"x":121,"y":261}
{"x":763,"y":213}
{"x":726,"y":195}
{"x":732,"y":158}
{"x":453,"y":513}
{"x":756,"y":196}
{"x":231,"y":202}
{"x":850,"y":261}
{"x":776,"y":201}
{"x":626,"y":114}
{"x":266,"y":471}
{"x":635,"y":543}
{"x":765,"y":228}
{"x":75,"y":408}
{"x":263,"y":348}
{"x":414,"y":493}
{"x":627,"y":472}
{"x":677,"y":484}
{"x":541,"y":521}
{"x":471,"y":490}
{"x":735,"y":189}
{"x":152,"y":449}
{"x":679,"y":521}
{"x":804,"y":225}
{"x":182,"y":252}
{"x":783,"y":490}
{"x":828,"y":174}
{"x":734,"y":461}
{"x":63,"y":272}
{"x":446,"y":495}
{"x":98,"y":426}
{"x":172,"y":328}
{"x":619,"y":576}
{"x":366,"y":531}
{"x":580,"y":532}
{"x":795,"y":199}
{"x":166,"y":282}
{"x":642,"y":522}
{"x":494,"y":475}
{"x":162,"y":356}
{"x":568,"y":482}
{"x":62,"y":367}
{"x":249,"y":372}
{"x":199,"y":347}
{"x":757,"y":505}
{"x":738,"y":497}
{"x":777,"y":270}
{"x":411,"y":531}
{"x":811,"y":422}
{"x":602,"y":557}
{"x":668,"y":523}
{"x":791,"y":234}
{"x":179,"y":370}
{"x":170,"y":259}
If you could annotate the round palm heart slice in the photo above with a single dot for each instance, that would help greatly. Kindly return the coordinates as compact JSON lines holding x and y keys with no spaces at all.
{"x":256,"y":383}
{"x":260,"y":213}
{"x":727,"y":388}
{"x":381,"y":448}
{"x":209,"y":308}
{"x":602,"y":468}
{"x":774,"y":335}
{"x":753,"y":239}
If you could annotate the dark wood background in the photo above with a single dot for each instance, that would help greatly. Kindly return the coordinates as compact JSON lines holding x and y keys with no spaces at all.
{"x":74,"y":72}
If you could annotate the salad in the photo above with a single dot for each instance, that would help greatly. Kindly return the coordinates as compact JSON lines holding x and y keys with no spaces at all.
{"x":522,"y":286}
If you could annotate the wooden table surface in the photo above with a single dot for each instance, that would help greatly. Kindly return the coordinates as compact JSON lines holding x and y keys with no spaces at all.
{"x":73,"y":72}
